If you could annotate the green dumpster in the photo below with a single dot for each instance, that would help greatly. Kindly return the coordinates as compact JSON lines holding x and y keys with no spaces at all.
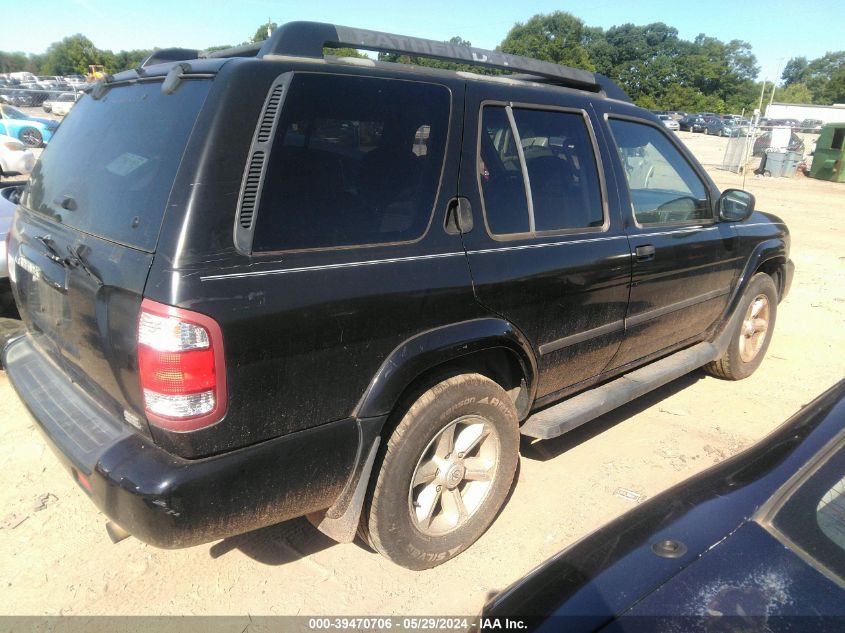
{"x":829,"y":158}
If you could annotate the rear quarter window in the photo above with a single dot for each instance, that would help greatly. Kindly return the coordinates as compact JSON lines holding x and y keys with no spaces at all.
{"x":356,"y":161}
{"x":109,"y":169}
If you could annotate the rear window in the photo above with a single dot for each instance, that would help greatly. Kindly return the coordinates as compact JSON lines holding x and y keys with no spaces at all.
{"x":356,"y":161}
{"x":110,"y":167}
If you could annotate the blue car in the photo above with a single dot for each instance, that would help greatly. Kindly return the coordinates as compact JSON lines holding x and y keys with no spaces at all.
{"x":756,"y":543}
{"x":31,"y":131}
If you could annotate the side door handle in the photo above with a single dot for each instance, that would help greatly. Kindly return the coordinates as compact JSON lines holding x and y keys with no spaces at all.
{"x":645,"y":253}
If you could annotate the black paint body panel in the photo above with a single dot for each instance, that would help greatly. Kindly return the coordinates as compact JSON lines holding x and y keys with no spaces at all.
{"x":316,"y":340}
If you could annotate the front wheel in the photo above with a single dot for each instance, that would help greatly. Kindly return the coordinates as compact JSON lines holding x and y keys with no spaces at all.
{"x":706,"y":131}
{"x":30,"y":137}
{"x":752,"y":336}
{"x":446,"y":471}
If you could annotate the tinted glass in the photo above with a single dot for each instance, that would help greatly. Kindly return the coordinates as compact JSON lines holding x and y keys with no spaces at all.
{"x":500,"y":174}
{"x":813,"y":516}
{"x":664,"y":188}
{"x":565,"y":191}
{"x":110,"y":167}
{"x":356,"y":161}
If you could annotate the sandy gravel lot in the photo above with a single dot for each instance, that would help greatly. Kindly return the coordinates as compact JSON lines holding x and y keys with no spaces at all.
{"x":57,"y":559}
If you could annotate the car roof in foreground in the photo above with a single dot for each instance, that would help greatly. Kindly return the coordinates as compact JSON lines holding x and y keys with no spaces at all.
{"x":617,"y":566}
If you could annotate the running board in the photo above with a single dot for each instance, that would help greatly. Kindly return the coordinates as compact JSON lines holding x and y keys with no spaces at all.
{"x":572,"y":413}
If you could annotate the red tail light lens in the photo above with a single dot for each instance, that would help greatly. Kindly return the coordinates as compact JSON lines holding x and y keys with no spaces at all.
{"x":181,"y":366}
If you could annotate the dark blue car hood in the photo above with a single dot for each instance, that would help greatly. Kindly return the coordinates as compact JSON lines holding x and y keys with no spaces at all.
{"x":748,"y":577}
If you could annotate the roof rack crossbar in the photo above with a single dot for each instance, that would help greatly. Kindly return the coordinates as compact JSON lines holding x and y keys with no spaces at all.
{"x":307,"y":39}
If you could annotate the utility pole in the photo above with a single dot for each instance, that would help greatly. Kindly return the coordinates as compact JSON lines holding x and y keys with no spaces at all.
{"x":775,"y":82}
{"x":759,"y":110}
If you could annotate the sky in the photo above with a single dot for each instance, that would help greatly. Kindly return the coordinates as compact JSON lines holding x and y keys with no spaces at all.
{"x":776,"y":29}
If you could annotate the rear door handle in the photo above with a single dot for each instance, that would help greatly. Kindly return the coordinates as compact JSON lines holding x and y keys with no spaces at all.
{"x":645,"y":252}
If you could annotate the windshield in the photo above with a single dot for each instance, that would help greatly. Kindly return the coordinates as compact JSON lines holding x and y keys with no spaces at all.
{"x":9,"y":112}
{"x":109,"y":169}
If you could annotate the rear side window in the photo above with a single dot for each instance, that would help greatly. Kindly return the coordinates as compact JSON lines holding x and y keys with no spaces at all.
{"x":537,"y":172}
{"x":109,"y":169}
{"x":561,"y":169}
{"x":500,"y":174}
{"x":356,"y":161}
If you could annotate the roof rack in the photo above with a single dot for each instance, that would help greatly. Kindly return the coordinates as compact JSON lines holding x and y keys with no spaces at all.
{"x":307,"y":39}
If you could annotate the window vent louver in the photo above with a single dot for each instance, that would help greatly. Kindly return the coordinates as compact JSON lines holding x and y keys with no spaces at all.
{"x":266,"y":127}
{"x":253,"y":180}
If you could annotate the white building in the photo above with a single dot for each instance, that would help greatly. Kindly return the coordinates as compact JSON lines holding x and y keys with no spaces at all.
{"x":828,"y":114}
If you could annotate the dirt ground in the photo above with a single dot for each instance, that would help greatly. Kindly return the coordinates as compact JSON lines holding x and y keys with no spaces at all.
{"x":57,"y":559}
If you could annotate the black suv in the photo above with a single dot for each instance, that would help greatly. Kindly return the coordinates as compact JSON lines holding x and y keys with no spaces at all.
{"x":267,"y":283}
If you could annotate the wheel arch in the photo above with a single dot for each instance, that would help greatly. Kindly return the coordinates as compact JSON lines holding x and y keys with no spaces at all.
{"x":490,"y":346}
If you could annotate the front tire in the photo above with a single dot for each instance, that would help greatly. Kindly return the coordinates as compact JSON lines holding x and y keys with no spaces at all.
{"x":752,"y":336}
{"x":445,"y":473}
{"x":30,"y":137}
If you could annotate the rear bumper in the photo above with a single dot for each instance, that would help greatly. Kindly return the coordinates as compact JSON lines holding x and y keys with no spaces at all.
{"x":172,"y":502}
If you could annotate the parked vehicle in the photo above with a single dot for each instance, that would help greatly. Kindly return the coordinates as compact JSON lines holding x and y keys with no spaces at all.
{"x":669,"y":122}
{"x":755,"y":543}
{"x":725,"y":127}
{"x":793,"y":123}
{"x":64,"y":102}
{"x":16,"y":97}
{"x":32,"y":131}
{"x":764,"y":142}
{"x":9,"y":197}
{"x":15,"y":158}
{"x":47,"y":104}
{"x":396,"y":271}
{"x":811,"y":125}
{"x":692,"y":123}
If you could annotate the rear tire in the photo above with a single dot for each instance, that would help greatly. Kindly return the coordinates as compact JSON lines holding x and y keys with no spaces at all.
{"x":752,"y":336}
{"x":444,"y":474}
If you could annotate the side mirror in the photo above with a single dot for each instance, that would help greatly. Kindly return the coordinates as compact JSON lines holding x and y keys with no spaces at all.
{"x":735,"y":205}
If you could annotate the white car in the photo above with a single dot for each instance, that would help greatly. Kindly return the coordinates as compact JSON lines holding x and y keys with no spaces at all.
{"x":667,"y":120}
{"x":15,"y":157}
{"x":62,"y":104}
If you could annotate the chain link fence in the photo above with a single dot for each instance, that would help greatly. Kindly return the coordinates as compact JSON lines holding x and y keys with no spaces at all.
{"x":767,"y":150}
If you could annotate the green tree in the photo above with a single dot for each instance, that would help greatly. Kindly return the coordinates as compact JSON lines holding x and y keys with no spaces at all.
{"x":688,"y":98}
{"x":820,"y":72}
{"x":12,"y":62}
{"x":794,"y":93}
{"x":834,"y":91}
{"x":125,"y":60}
{"x":72,"y":55}
{"x":261,"y":33}
{"x":795,"y":71}
{"x":558,"y":37}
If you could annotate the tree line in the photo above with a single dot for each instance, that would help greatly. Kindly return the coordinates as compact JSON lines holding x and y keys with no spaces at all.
{"x":657,"y":68}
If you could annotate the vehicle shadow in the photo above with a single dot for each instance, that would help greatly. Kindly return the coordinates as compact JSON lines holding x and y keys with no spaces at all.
{"x":278,"y":544}
{"x":544,"y":450}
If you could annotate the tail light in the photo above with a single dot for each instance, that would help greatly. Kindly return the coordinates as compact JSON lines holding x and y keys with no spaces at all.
{"x":182,"y":367}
